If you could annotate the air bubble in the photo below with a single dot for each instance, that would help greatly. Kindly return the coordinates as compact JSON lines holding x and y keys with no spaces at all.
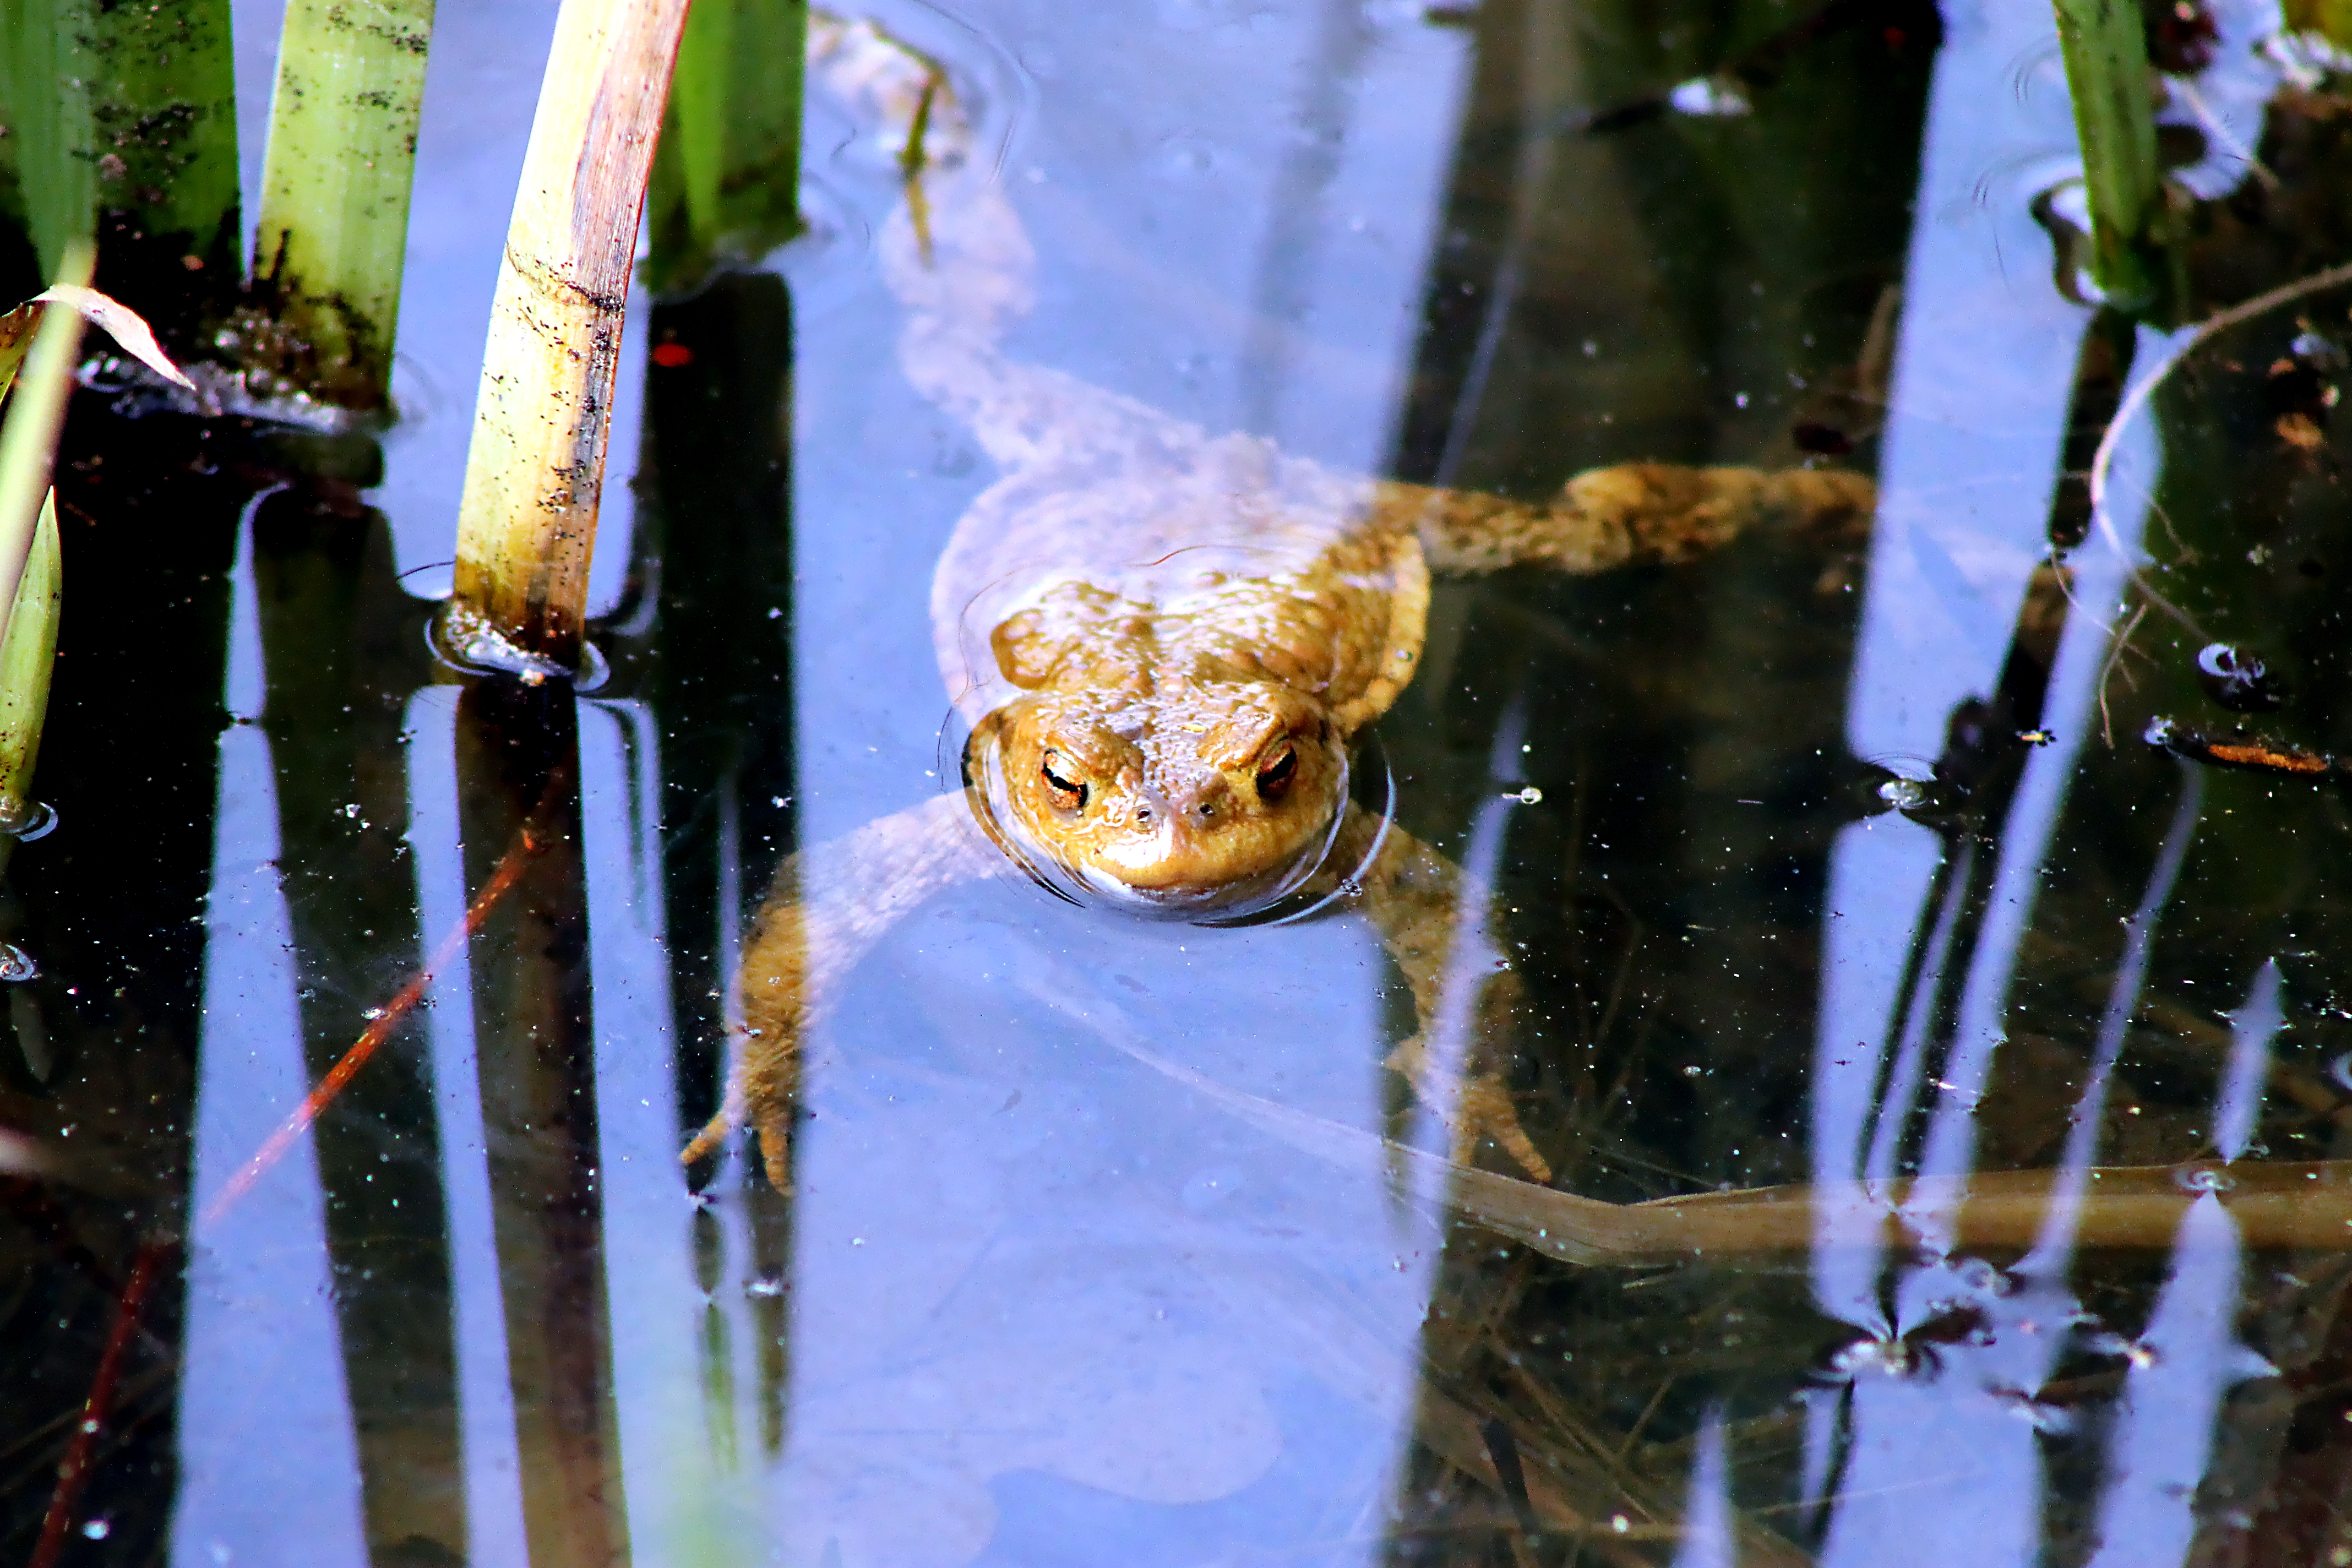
{"x":1903,"y":795}
{"x":2203,"y":1179}
{"x":17,"y":965}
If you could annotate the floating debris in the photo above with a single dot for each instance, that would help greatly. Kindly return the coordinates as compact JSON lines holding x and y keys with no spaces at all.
{"x":463,"y":638}
{"x":2238,"y":680}
{"x":2262,"y":756}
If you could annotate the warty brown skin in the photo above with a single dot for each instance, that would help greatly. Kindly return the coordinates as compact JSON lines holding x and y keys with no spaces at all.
{"x":1167,"y":644}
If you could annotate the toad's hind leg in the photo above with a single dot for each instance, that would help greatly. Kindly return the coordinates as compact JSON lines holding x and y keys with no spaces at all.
{"x":1628,"y":514}
{"x":825,"y":909}
{"x":1463,"y":999}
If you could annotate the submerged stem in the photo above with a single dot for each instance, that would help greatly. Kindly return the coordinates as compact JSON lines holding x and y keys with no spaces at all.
{"x":527,"y":526}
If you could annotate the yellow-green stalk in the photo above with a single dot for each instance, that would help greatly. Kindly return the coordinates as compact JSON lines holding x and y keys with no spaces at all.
{"x":36,"y":415}
{"x":46,"y":69}
{"x":726,"y":184}
{"x":2114,"y":119}
{"x":127,"y":110}
{"x":335,"y":180}
{"x":27,"y":651}
{"x":2332,"y":19}
{"x":527,"y":524}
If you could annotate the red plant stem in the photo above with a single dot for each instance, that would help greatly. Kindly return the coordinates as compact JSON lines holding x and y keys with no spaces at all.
{"x":74,"y":1473}
{"x":297,"y":1121}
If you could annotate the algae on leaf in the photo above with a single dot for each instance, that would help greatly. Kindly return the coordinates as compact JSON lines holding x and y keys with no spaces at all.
{"x":333,"y":226}
{"x":125,"y":116}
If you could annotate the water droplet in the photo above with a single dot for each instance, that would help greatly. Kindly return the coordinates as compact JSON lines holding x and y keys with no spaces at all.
{"x":1528,"y":796}
{"x":2237,"y":678}
{"x":2203,"y":1179}
{"x":1903,"y":795}
{"x":97,"y":1529}
{"x":1709,"y":97}
{"x":352,"y":811}
{"x":764,"y":1286}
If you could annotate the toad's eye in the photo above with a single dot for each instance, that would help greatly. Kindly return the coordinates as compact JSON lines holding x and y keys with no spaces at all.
{"x":1069,"y":793}
{"x":1276,"y":775}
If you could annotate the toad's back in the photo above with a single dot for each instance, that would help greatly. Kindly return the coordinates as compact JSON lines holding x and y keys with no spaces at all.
{"x":1153,"y":555}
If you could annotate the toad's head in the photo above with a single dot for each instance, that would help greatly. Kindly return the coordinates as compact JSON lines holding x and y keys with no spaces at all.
{"x":1209,"y":802}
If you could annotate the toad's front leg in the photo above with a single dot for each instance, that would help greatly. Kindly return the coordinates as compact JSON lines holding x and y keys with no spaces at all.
{"x":1463,"y":996}
{"x":825,"y":911}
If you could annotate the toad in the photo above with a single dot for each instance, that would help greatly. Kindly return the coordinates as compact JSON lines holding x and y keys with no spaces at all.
{"x":1167,"y":645}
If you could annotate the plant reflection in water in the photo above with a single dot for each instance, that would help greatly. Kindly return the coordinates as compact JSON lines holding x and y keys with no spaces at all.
{"x":1110,"y":1243}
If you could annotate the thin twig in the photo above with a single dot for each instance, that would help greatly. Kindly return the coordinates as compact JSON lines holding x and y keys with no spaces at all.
{"x":527,"y":844}
{"x":2108,"y":669}
{"x":2220,"y":130}
{"x":2137,"y":398}
{"x":74,"y":1473}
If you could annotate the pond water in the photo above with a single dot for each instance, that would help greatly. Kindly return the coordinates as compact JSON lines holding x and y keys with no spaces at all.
{"x":2003,"y":1059}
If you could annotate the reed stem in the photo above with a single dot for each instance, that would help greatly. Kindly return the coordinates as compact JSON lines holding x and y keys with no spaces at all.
{"x":726,"y":180}
{"x":2332,"y":19}
{"x":128,"y":112}
{"x":2115,"y":118}
{"x":36,"y":417}
{"x":46,"y":69}
{"x":28,"y":651}
{"x":527,"y":524}
{"x":335,"y":183}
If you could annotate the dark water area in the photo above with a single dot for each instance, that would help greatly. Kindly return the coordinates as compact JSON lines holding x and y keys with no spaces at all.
{"x":1945,"y":1088}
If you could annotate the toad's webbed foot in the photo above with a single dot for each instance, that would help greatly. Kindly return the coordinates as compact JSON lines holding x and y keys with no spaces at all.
{"x":1629,"y":514}
{"x":825,"y":911}
{"x":1481,"y":1106}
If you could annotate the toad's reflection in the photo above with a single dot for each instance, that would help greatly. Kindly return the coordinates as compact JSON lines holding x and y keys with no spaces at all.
{"x":1167,"y":644}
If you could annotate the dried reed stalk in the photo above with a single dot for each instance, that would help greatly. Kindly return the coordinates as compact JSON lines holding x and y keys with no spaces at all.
{"x":527,"y":526}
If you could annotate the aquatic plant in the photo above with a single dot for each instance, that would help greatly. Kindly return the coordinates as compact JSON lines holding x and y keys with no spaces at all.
{"x":335,"y":183}
{"x":527,"y":524}
{"x":725,"y":178}
{"x":128,"y":112}
{"x":42,"y":338}
{"x":2114,"y":116}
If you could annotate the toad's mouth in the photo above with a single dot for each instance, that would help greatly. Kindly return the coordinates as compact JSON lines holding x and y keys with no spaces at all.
{"x":1234,"y":897}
